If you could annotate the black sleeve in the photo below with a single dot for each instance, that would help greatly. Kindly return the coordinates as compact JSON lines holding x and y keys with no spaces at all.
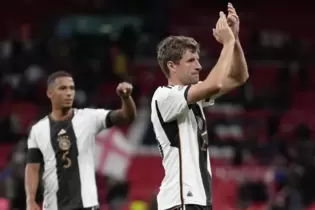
{"x":34,"y":155}
{"x":108,"y":120}
{"x":186,"y":92}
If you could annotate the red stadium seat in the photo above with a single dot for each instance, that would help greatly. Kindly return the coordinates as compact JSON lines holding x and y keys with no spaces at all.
{"x":5,"y":151}
{"x":258,"y":206}
{"x":303,"y":100}
{"x":290,"y":120}
{"x":145,"y":180}
{"x":311,"y":207}
{"x":5,"y":109}
{"x":26,"y":114}
{"x":106,"y":92}
{"x":263,"y":78}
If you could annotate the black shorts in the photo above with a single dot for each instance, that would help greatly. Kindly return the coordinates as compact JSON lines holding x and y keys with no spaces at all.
{"x":193,"y":207}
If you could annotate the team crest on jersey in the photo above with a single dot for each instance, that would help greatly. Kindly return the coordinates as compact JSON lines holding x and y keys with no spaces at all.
{"x":64,"y":143}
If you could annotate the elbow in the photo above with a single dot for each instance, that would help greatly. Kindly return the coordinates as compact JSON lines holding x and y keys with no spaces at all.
{"x":130,"y":118}
{"x":245,"y":78}
{"x":241,"y":79}
{"x":214,"y":89}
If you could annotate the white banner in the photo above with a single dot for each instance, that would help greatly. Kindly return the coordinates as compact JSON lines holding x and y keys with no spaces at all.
{"x":113,"y":153}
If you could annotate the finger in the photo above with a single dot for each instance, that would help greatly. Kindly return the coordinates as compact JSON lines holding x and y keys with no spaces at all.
{"x":232,"y":16}
{"x":127,"y":87}
{"x":217,"y":25}
{"x":215,"y":34}
{"x":231,"y":8}
{"x":230,"y":5}
{"x":231,"y":11}
{"x":221,"y":26}
{"x":221,"y":20}
{"x":222,"y":15}
{"x":233,"y":20}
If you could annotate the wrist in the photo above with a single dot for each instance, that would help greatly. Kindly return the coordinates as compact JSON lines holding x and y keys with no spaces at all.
{"x":30,"y":199}
{"x":229,"y":43}
{"x":124,"y":97}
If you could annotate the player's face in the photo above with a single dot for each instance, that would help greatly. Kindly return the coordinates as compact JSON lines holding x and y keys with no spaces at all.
{"x":62,"y":92}
{"x":189,"y":68}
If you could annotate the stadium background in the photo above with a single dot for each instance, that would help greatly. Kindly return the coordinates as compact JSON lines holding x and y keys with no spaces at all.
{"x":262,"y":148}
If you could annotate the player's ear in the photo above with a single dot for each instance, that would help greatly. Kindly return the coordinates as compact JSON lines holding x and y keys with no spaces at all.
{"x":49,"y":93}
{"x":171,"y":66}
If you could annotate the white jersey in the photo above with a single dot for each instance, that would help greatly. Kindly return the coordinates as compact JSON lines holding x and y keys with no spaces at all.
{"x":66,"y":149}
{"x":183,"y":142}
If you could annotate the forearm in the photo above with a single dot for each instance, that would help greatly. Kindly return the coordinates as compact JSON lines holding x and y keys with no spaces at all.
{"x":223,"y":65}
{"x":31,"y":182}
{"x":128,"y":108}
{"x":214,"y":82}
{"x":239,"y":69}
{"x":126,"y":114}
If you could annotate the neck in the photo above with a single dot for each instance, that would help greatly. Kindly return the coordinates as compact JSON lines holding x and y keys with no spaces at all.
{"x":61,"y":114}
{"x":174,"y":81}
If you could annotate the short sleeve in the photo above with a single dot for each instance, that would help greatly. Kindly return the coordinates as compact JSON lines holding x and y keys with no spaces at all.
{"x":172,"y":101}
{"x":101,"y":119}
{"x":34,"y":155}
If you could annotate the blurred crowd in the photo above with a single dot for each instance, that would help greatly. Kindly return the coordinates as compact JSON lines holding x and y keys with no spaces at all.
{"x":267,"y":122}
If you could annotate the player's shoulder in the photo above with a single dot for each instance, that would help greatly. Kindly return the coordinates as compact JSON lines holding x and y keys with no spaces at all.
{"x":89,"y":112}
{"x":40,"y":125}
{"x":85,"y":112}
{"x":163,"y":91}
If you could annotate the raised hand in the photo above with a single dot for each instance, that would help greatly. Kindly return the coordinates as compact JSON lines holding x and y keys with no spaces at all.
{"x":223,"y":32}
{"x":124,"y":89}
{"x":233,"y":20}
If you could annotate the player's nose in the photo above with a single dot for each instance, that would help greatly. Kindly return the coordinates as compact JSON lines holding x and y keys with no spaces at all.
{"x":69,"y":94}
{"x":198,"y":67}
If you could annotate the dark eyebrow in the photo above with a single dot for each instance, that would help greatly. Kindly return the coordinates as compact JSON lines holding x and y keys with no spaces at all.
{"x":64,"y":86}
{"x":191,"y":59}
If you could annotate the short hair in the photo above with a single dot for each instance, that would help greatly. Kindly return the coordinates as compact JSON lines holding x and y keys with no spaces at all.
{"x":172,"y":48}
{"x":52,"y":78}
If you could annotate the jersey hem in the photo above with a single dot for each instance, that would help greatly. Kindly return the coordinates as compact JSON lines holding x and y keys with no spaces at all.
{"x":187,"y":202}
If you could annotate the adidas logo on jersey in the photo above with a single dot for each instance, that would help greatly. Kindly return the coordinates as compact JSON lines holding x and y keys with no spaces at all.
{"x":189,"y":194}
{"x":61,"y":132}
